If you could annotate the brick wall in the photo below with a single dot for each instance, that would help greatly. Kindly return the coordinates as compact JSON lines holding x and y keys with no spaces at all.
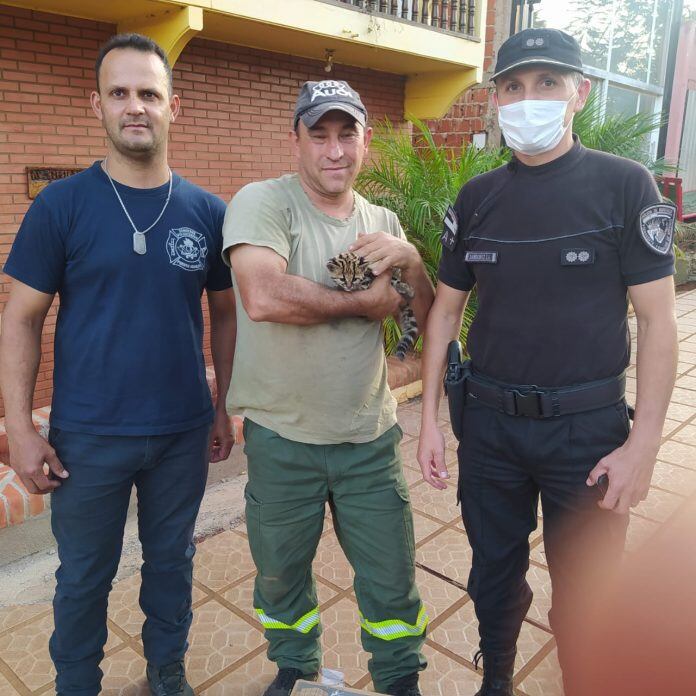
{"x":236,"y":110}
{"x":471,"y":113}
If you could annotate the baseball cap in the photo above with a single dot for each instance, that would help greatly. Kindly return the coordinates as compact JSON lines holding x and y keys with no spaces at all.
{"x":316,"y":98}
{"x":539,"y":46}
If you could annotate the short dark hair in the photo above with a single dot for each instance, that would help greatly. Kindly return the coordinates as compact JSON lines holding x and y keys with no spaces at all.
{"x":137,"y":42}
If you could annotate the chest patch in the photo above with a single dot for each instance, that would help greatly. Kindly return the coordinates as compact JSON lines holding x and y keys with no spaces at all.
{"x":450,"y":231}
{"x":187,"y":249}
{"x":577,"y":257}
{"x":481,"y":257}
{"x":657,"y":227}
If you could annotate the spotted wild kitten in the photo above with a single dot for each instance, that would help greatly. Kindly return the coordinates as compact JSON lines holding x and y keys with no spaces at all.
{"x":351,"y":272}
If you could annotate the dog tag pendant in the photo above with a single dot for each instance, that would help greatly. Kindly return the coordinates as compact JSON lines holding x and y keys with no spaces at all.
{"x":139,"y":246}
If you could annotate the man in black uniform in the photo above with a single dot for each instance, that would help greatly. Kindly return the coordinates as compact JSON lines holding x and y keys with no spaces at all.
{"x":553,"y":242}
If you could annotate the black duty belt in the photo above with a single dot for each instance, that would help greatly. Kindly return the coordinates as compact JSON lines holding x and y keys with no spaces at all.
{"x":534,"y":402}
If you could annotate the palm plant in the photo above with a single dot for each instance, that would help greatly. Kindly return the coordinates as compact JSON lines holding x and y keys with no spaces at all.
{"x":618,"y":134}
{"x":418,"y":180}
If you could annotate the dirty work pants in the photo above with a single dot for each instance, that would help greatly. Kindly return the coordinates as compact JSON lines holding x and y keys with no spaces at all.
{"x":88,"y":514}
{"x":506,"y":464}
{"x":289,"y":486}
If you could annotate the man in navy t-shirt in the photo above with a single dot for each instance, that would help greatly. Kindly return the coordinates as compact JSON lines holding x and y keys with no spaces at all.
{"x":129,"y":247}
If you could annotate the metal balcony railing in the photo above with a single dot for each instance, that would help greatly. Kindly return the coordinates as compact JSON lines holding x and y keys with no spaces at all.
{"x":458,"y":16}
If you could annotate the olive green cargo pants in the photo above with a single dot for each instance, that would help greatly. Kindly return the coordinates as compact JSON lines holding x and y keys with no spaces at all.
{"x":289,"y":486}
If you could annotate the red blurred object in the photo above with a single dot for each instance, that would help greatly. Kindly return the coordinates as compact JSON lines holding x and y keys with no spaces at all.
{"x":671,"y":187}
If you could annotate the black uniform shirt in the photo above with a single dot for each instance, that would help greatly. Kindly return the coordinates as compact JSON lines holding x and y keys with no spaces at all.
{"x":551,"y":250}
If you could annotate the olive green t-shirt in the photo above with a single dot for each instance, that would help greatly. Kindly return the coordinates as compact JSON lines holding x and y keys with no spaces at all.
{"x":321,"y":384}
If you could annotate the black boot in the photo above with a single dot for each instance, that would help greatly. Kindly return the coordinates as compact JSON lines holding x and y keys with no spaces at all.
{"x":406,"y":686}
{"x":285,"y":680}
{"x":498,"y":669}
{"x":169,"y":680}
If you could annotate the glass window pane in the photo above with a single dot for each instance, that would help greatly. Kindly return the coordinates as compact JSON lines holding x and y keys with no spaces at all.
{"x":621,"y":101}
{"x":589,"y":21}
{"x":646,"y":104}
{"x":659,"y":49}
{"x":631,"y":48}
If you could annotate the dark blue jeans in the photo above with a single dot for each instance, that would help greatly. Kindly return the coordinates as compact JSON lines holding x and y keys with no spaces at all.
{"x":88,"y":517}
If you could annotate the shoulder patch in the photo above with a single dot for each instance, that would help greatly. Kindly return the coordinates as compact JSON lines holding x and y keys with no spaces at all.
{"x":657,"y":227}
{"x":450,"y":232}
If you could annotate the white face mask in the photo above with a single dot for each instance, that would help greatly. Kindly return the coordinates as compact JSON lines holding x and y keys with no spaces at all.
{"x":533,"y":126}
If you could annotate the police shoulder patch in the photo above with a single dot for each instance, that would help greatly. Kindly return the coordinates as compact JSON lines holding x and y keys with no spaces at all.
{"x":657,"y":227}
{"x":450,"y":231}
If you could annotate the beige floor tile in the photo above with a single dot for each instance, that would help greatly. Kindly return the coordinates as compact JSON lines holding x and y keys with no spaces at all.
{"x":687,"y":382}
{"x":25,"y":650}
{"x":540,"y":582}
{"x":412,"y":476}
{"x":217,"y":639}
{"x":436,"y":503}
{"x":659,"y":505}
{"x":459,"y":633}
{"x":684,"y":396}
{"x":674,"y":452}
{"x":448,"y":553}
{"x":538,"y":554}
{"x":251,"y":679}
{"x":424,"y":527}
{"x":6,"y":689}
{"x":687,"y":435}
{"x":669,"y":427}
{"x":331,"y":563}
{"x":545,"y":679}
{"x":12,"y":616}
{"x":639,"y":531}
{"x":436,"y":594}
{"x":242,"y":596}
{"x":221,"y":560}
{"x":409,"y":419}
{"x":680,"y":412}
{"x":445,"y":677}
{"x":340,"y":640}
{"x":676,"y":479}
{"x":124,"y":674}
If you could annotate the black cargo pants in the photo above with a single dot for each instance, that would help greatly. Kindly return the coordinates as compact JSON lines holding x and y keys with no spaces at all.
{"x":506,"y":464}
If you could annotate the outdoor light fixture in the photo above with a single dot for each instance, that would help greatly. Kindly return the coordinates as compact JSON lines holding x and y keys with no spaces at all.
{"x":328,"y":57}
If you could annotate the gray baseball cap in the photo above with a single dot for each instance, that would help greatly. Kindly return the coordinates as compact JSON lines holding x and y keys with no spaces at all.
{"x":539,"y":47}
{"x":317,"y":98}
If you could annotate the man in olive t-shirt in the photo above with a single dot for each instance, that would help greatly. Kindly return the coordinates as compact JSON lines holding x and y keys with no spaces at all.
{"x":310,"y":378}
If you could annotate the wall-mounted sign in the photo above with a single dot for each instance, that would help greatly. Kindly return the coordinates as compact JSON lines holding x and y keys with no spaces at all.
{"x":40,"y":177}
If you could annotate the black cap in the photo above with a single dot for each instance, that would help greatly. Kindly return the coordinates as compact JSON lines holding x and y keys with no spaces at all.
{"x":316,"y":98}
{"x":539,"y":46}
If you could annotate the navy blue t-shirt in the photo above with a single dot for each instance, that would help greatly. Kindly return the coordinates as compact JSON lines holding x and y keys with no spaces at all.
{"x":129,"y":334}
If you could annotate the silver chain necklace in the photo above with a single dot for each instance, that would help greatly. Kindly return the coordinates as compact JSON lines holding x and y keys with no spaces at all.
{"x":139,"y":245}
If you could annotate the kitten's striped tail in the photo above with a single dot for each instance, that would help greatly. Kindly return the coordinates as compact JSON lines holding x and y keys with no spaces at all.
{"x":409,"y":332}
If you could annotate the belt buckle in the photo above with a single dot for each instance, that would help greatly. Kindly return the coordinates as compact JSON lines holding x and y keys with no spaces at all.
{"x":527,"y":403}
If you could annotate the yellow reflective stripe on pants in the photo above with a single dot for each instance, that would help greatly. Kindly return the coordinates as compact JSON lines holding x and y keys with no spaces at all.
{"x":393,"y":628}
{"x":303,"y":625}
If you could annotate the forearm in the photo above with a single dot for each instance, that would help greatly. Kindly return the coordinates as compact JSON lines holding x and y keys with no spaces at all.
{"x":223,"y":335}
{"x":442,"y":327}
{"x":424,"y":292}
{"x":291,"y":299}
{"x":657,"y":350}
{"x":20,"y":356}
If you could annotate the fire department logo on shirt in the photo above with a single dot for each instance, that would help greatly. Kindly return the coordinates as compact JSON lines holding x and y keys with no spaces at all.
{"x":657,"y":227}
{"x":187,"y":249}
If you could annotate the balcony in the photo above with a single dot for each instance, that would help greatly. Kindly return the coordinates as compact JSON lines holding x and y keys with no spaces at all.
{"x":436,"y":44}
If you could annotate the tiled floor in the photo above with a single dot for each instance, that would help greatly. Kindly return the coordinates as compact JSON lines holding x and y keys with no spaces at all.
{"x":227,"y":653}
